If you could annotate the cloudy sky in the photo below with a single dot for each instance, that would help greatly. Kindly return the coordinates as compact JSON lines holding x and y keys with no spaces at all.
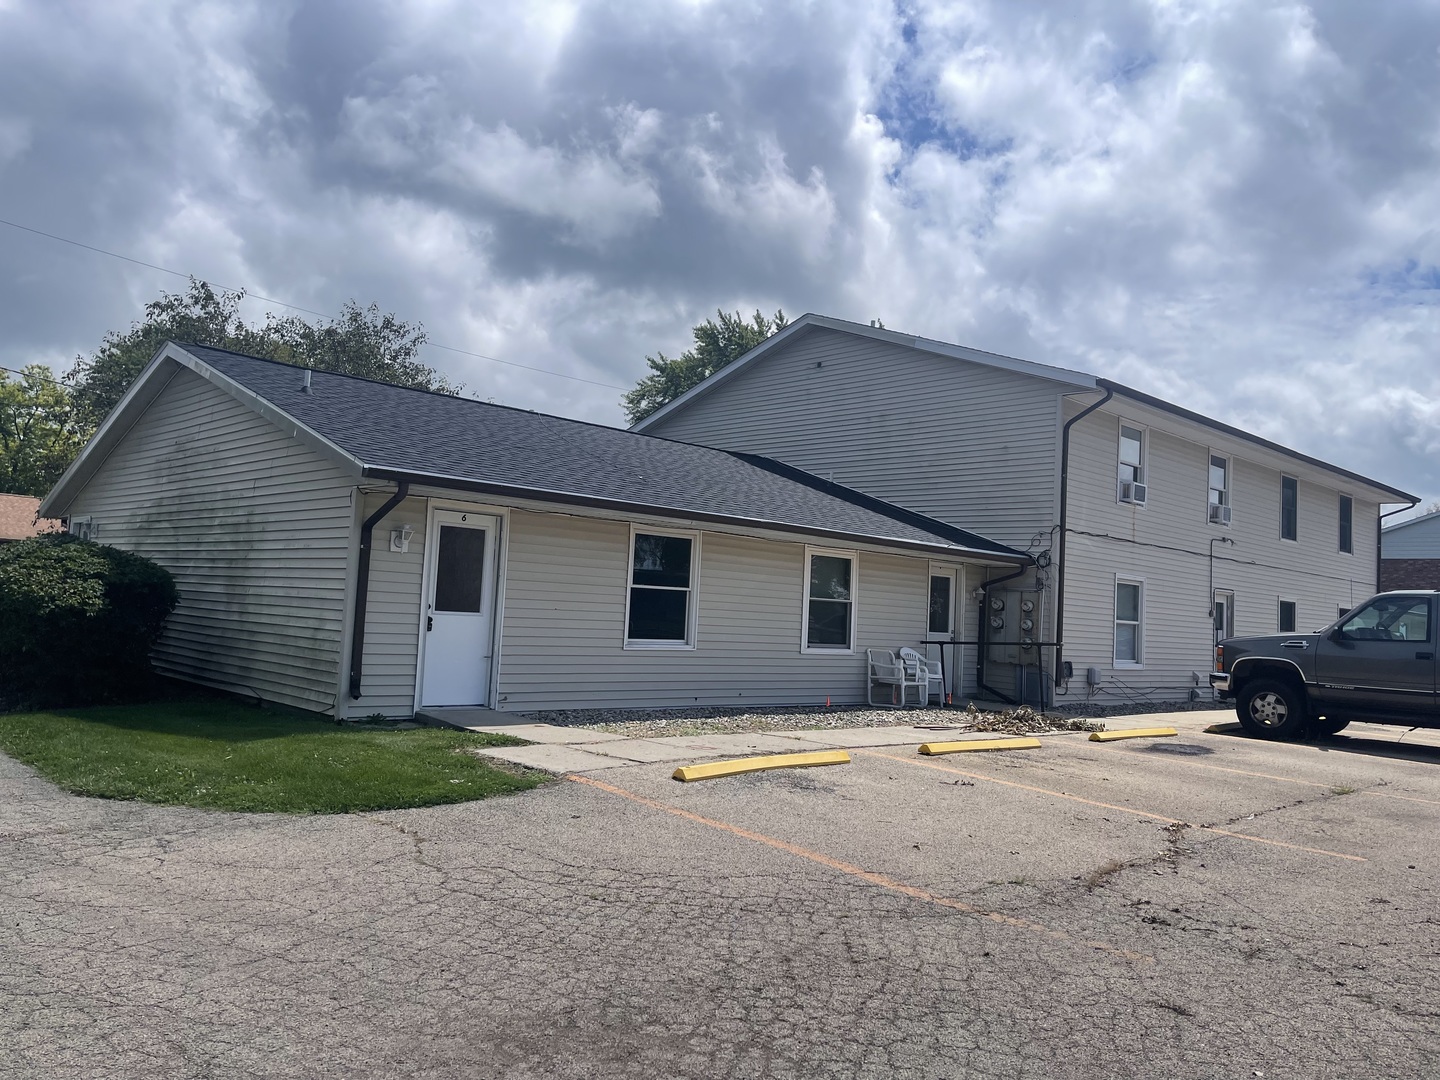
{"x":1234,"y":204}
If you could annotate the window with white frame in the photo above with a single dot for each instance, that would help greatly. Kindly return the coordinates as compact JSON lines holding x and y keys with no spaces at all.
{"x":83,"y":527}
{"x":829,"y":601}
{"x":1131,"y":487}
{"x":1129,"y":616}
{"x":661,"y":602}
{"x":1287,"y":617}
{"x":1289,"y":508}
{"x":1347,"y":524}
{"x":1219,"y":512}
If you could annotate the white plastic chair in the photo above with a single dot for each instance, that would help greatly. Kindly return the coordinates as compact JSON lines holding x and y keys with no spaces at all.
{"x":884,"y":669}
{"x":928,"y":674}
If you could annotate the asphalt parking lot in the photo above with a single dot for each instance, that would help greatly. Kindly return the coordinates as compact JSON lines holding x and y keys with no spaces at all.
{"x":1206,"y":905}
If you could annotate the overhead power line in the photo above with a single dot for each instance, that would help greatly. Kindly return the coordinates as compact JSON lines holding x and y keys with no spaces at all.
{"x":294,"y":307}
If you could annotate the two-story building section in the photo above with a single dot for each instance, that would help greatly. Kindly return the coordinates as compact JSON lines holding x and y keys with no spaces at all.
{"x":1155,"y":529}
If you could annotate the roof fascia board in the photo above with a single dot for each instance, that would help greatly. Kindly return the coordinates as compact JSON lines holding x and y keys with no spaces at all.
{"x":147,"y":386}
{"x":143,"y":392}
{"x":270,"y":411}
{"x":909,"y":341}
{"x":668,"y":519}
{"x":1160,"y":404}
{"x":757,"y":525}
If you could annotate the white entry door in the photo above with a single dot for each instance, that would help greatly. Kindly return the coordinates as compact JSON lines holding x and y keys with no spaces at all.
{"x":459,"y":612}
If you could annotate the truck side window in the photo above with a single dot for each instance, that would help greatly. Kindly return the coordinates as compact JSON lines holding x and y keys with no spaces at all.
{"x":1391,"y":618}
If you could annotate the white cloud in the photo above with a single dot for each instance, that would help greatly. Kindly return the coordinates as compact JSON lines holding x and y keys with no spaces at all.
{"x":1230,"y":204}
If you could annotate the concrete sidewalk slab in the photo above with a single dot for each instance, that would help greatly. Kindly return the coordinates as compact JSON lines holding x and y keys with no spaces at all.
{"x":741,"y":743}
{"x":550,"y":734}
{"x":643,"y":751}
{"x":552,"y":759}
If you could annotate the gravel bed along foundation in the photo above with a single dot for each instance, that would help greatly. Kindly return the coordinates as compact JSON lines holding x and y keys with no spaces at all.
{"x":655,"y":723}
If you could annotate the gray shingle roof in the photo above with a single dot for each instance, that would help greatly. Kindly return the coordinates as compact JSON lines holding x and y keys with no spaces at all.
{"x":393,"y":429}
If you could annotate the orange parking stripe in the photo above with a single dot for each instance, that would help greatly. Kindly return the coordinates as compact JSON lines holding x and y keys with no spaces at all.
{"x":1402,"y":798}
{"x":1245,"y":772}
{"x":1292,"y":780}
{"x":1111,"y":806}
{"x":884,"y":881}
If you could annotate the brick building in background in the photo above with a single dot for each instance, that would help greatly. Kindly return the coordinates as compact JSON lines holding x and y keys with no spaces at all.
{"x":19,"y":520}
{"x":1410,"y":553}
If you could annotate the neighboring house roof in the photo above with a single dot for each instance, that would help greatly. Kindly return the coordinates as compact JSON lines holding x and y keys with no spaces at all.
{"x":396,"y":433}
{"x":1411,"y":521}
{"x":19,"y":518}
{"x":1077,"y":381}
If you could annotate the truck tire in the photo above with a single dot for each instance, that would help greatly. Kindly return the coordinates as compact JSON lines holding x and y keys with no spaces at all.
{"x":1329,"y":725}
{"x":1272,"y":709}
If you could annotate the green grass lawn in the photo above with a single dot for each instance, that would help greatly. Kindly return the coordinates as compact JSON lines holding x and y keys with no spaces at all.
{"x":226,"y":756}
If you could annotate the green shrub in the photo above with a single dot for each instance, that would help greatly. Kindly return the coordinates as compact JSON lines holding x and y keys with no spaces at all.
{"x":78,"y":620}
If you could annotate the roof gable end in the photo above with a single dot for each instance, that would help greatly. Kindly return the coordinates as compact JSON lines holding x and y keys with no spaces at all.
{"x":1076,"y":380}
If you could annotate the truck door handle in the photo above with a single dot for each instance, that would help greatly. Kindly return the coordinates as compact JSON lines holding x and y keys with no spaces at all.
{"x":429,"y":623}
{"x":1424,"y":656}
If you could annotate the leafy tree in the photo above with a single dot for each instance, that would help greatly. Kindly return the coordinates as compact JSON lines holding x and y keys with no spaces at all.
{"x":717,"y":344}
{"x":38,"y":436}
{"x":361,"y":341}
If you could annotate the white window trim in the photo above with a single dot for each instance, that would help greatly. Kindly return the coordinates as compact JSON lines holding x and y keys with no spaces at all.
{"x":821,"y":650}
{"x":1139,"y":625}
{"x":1287,"y":600}
{"x":692,"y":613}
{"x":83,"y":527}
{"x":1339,"y":495}
{"x":1229,"y":485}
{"x":1280,"y":524}
{"x":1144,"y":430}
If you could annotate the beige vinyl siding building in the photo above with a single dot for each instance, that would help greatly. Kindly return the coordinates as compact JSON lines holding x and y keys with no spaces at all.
{"x":256,"y":527}
{"x":255,"y":488}
{"x":1183,"y":560}
{"x":964,"y":434}
{"x":965,"y":442}
{"x":562,"y":637}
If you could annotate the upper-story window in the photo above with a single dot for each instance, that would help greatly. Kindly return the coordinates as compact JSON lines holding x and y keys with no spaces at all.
{"x":1131,"y":487}
{"x":1289,"y":508}
{"x":1219,"y":490}
{"x":1347,"y":524}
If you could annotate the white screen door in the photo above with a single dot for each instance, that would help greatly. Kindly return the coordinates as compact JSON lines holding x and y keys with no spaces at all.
{"x":459,"y":613}
{"x":941,"y":617}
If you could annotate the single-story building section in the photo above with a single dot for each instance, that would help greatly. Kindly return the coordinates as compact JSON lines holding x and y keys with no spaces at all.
{"x":352,"y":547}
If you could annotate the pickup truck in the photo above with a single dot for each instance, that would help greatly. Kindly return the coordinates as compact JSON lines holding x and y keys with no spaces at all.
{"x":1376,"y":663}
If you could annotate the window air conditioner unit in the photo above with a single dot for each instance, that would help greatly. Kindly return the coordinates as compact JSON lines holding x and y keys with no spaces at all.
{"x":1219,"y":515}
{"x":1131,"y":492}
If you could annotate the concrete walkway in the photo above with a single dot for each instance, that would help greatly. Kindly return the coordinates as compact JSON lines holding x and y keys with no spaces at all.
{"x":566,"y":750}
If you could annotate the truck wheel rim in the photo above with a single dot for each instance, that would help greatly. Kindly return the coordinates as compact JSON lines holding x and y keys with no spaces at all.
{"x":1268,"y":709}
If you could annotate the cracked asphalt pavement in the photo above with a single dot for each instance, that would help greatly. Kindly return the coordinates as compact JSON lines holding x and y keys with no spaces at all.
{"x":1204,"y":906}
